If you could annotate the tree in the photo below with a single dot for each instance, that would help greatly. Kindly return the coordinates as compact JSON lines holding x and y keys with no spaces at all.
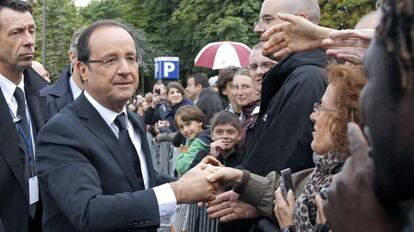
{"x":62,"y":20}
{"x":341,"y":14}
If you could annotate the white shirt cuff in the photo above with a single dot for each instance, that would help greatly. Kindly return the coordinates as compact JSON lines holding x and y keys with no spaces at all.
{"x":167,"y":203}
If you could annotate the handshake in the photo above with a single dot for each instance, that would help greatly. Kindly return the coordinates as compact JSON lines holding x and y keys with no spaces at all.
{"x":205,"y":181}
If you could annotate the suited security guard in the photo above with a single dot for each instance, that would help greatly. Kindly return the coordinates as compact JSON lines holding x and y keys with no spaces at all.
{"x":22,"y":114}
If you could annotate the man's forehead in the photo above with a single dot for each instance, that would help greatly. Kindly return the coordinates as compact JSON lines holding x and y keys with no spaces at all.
{"x":273,"y":7}
{"x":11,"y":18}
{"x":103,"y":41}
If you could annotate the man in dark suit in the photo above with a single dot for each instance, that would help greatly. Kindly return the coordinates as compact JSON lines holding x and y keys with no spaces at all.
{"x":69,"y":85}
{"x":22,"y":114}
{"x":94,"y":162}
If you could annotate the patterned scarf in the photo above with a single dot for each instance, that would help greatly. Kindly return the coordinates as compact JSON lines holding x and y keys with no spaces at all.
{"x":326,"y":167}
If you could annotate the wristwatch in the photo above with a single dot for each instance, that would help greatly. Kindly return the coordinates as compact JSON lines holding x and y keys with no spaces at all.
{"x":288,"y":229}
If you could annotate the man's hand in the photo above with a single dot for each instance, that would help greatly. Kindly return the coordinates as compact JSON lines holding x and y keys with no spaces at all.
{"x":225,"y":176}
{"x":284,"y":209}
{"x":227,"y":208}
{"x":352,"y":204}
{"x":349,"y":45}
{"x":296,"y":34}
{"x":193,"y":186}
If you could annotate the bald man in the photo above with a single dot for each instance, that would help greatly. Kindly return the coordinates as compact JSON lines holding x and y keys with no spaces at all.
{"x":283,"y":131}
{"x":38,"y":67}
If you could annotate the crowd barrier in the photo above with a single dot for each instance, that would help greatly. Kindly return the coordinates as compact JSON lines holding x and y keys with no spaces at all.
{"x":164,"y":156}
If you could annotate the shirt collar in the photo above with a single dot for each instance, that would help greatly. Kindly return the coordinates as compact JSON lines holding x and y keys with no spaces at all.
{"x":8,"y":88}
{"x":76,"y":91}
{"x":107,"y":114}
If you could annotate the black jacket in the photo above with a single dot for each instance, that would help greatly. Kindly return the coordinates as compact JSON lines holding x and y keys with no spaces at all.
{"x":59,"y":94}
{"x":283,"y":131}
{"x":14,"y":188}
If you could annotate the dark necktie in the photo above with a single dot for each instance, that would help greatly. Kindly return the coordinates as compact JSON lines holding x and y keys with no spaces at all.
{"x":21,"y":112}
{"x":25,"y":140}
{"x":127,"y":147}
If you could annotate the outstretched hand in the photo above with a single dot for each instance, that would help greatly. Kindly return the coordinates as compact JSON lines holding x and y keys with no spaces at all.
{"x":224,"y":176}
{"x":352,"y":204}
{"x":349,"y":45}
{"x":294,"y":35}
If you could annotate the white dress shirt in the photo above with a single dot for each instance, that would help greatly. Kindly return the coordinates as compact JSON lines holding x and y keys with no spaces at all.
{"x":76,"y":91}
{"x":8,"y":88}
{"x":164,"y":193}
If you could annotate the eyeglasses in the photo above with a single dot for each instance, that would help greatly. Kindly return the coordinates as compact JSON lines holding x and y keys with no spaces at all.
{"x":317,"y":107}
{"x":264,"y":20}
{"x":112,"y":61}
{"x":264,"y":66}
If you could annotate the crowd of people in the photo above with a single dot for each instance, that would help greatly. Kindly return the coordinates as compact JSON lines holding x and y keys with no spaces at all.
{"x":333,"y":106}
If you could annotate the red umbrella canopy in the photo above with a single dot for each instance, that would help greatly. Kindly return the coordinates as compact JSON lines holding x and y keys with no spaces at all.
{"x":225,"y":54}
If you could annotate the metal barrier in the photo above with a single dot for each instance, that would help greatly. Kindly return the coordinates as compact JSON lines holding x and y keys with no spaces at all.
{"x":164,"y":156}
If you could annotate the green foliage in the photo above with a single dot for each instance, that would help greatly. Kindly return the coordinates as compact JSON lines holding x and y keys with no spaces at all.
{"x":61,"y":22}
{"x":342,"y":14}
{"x":173,"y":27}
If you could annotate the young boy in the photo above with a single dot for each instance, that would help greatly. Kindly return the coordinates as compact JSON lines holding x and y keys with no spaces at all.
{"x":189,"y":121}
{"x":226,"y":133}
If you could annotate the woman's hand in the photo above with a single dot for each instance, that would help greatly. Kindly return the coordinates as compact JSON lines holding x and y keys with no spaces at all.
{"x":320,"y":214}
{"x":284,"y":209}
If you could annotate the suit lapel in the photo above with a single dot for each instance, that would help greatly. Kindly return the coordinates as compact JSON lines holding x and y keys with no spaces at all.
{"x":95,"y":123}
{"x":9,"y":147}
{"x":36,"y":104}
{"x":139,"y":128}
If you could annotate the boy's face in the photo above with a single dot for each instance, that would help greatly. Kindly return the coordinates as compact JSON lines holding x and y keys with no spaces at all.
{"x":228,"y":134}
{"x":189,"y":129}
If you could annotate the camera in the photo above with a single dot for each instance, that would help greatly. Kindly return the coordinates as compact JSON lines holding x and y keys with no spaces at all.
{"x":157,"y":91}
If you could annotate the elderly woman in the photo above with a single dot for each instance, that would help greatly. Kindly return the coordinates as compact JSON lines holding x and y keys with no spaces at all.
{"x":338,"y":106}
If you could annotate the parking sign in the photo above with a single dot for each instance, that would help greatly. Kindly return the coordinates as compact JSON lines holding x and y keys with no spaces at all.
{"x":166,"y":67}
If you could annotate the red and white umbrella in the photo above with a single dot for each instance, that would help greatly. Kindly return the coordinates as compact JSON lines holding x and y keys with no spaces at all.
{"x":225,"y":54}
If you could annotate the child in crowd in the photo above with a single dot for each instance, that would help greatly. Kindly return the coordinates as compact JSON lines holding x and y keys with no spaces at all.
{"x":189,"y":120}
{"x":226,"y":132}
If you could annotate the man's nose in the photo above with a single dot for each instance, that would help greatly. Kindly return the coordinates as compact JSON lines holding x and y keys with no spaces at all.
{"x":259,"y":29}
{"x":29,"y":39}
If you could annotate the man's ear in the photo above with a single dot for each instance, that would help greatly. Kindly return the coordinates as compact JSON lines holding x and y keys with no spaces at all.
{"x":72,"y":56}
{"x":240,"y":135}
{"x":199,"y":87}
{"x":302,"y":14}
{"x":83,"y":70}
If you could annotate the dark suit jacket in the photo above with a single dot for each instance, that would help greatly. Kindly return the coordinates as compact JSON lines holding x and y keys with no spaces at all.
{"x":59,"y":94}
{"x":14,"y":196}
{"x":86,"y":183}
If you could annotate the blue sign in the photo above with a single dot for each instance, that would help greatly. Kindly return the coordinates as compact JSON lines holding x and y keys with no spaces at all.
{"x":166,"y":67}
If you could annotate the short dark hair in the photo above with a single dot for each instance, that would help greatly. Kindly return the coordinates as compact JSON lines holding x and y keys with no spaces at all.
{"x":17,"y":5}
{"x":225,"y":76}
{"x":82,"y":46}
{"x":200,"y":79}
{"x":176,"y":85}
{"x":225,"y":117}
